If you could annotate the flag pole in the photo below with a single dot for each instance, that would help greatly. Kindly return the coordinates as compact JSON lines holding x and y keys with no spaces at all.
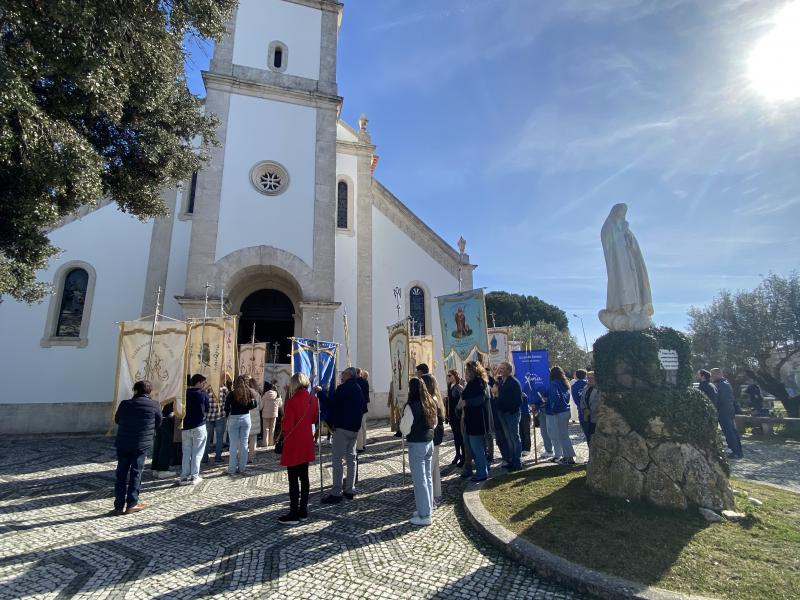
{"x":319,"y":412}
{"x":153,"y":335}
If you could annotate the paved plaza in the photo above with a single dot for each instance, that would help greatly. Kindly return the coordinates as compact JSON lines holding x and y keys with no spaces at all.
{"x":221,"y":537}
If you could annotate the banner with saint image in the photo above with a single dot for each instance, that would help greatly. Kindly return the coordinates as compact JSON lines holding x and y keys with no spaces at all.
{"x":207,"y":351}
{"x":420,"y":351}
{"x":165,"y":366}
{"x":317,"y":360}
{"x":463,"y":320}
{"x":399,"y":359}
{"x":229,"y":349}
{"x":498,"y":346}
{"x":251,"y":361}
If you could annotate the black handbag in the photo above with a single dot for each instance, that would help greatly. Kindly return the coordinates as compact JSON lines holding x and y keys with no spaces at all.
{"x":438,"y":431}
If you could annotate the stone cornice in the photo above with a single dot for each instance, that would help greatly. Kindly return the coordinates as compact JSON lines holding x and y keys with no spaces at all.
{"x":397,"y":212}
{"x":233,"y":84}
{"x":329,"y":5}
{"x":357,"y":148}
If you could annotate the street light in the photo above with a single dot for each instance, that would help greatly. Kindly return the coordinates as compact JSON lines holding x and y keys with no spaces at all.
{"x":585,"y":344}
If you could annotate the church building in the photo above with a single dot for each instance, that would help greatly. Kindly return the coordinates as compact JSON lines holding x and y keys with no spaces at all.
{"x":286,"y":223}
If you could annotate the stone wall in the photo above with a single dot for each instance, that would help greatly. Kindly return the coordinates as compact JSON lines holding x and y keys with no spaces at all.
{"x":656,"y":438}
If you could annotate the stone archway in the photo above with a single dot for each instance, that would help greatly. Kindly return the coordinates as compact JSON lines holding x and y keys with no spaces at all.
{"x":269,"y":315}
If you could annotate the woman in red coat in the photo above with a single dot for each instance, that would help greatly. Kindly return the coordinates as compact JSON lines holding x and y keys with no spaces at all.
{"x":300,"y":413}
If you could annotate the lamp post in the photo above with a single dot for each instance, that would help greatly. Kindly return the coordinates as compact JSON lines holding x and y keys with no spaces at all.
{"x":585,"y":344}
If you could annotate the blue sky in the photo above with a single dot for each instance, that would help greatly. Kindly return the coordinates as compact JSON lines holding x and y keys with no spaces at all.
{"x":519,"y":123}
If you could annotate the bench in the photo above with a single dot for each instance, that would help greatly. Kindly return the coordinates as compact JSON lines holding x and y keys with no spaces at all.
{"x":766,"y":423}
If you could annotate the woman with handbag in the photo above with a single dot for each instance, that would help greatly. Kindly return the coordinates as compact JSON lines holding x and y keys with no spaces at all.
{"x":475,"y":404}
{"x":296,"y":445}
{"x":417,"y":424}
{"x":438,"y":435}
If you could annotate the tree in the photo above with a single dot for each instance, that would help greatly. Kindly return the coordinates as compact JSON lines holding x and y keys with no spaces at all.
{"x":562,"y":347}
{"x":516,"y":309}
{"x":93,"y":104}
{"x":753,"y":333}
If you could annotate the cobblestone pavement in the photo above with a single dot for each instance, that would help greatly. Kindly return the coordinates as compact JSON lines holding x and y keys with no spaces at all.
{"x":775,"y":462}
{"x":221,"y":537}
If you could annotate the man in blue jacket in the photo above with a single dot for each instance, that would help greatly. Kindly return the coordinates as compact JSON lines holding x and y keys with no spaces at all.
{"x":137,"y":420}
{"x":345,"y":412}
{"x":726,"y":409}
{"x":509,"y":399}
{"x":575,"y":391}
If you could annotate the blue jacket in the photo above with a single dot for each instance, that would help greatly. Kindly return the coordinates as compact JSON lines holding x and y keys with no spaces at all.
{"x":138,"y":419}
{"x":576,"y":390}
{"x":347,"y":407}
{"x":725,"y":403}
{"x":557,"y":398}
{"x":197,"y":405}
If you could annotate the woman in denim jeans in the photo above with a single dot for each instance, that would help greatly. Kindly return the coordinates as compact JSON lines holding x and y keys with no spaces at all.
{"x":557,"y":409}
{"x":419,"y":419}
{"x":474,"y":402}
{"x":238,"y":404}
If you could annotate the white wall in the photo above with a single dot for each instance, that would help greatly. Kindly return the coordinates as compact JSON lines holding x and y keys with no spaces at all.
{"x":260,"y":129}
{"x":117,"y":246}
{"x":398,"y":261}
{"x":345,"y":287}
{"x":260,"y":22}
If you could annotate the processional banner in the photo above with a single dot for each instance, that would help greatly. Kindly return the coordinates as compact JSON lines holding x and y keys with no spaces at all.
{"x":399,"y":359}
{"x":532,"y":368}
{"x":420,"y":350}
{"x":317,"y":360}
{"x":165,"y":367}
{"x":498,"y":346}
{"x":463,"y":320}
{"x":229,"y":349}
{"x":280,"y":375}
{"x":207,"y":345}
{"x":251,"y":361}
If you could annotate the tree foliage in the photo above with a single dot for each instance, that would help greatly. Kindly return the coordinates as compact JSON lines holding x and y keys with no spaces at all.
{"x":562,"y":347}
{"x":516,"y":309}
{"x":753,"y":333}
{"x":93,"y":104}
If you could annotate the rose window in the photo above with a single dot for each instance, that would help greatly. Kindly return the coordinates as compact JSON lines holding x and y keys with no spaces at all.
{"x":269,"y":178}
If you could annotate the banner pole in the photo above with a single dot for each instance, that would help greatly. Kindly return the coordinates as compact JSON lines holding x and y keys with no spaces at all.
{"x":153,"y":335}
{"x":535,"y":445}
{"x":319,"y":416}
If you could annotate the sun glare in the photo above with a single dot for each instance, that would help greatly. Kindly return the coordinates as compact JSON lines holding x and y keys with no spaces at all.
{"x":774,"y":65}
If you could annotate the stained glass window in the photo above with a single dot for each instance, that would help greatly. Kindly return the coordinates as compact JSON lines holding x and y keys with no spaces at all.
{"x":417,"y":310}
{"x":73,"y":298}
{"x":341,"y":205}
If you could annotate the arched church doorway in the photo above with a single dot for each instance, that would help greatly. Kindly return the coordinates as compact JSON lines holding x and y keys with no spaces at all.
{"x":272,"y":313}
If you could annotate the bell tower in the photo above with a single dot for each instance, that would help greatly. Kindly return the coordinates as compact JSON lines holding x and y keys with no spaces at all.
{"x":267,"y":195}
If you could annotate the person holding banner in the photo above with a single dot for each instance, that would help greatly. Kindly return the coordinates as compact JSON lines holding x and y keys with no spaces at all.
{"x":475,"y":404}
{"x":299,"y":416}
{"x":557,"y":416}
{"x":420,"y":417}
{"x":509,"y":401}
{"x":238,"y":404}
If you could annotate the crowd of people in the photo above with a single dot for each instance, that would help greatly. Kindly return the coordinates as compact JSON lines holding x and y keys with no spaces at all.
{"x":486,"y":411}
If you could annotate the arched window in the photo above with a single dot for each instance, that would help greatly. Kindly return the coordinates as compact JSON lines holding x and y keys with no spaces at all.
{"x":277,"y":56}
{"x":417,"y":310}
{"x":341,"y":205}
{"x":70,"y":306}
{"x":73,"y":299}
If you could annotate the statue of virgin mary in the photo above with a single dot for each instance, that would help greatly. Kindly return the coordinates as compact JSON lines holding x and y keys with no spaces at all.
{"x":629,"y":302}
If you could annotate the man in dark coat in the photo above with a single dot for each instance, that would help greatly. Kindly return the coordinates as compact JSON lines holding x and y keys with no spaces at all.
{"x":345,"y":413}
{"x":137,"y":420}
{"x":509,"y":400}
{"x":726,"y":409}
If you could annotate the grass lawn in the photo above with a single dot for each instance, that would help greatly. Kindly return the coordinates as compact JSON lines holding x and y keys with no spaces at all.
{"x":756,"y":559}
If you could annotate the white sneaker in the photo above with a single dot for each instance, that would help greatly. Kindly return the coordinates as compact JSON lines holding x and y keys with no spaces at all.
{"x":417,"y":520}
{"x":195,"y":480}
{"x":545,"y":455}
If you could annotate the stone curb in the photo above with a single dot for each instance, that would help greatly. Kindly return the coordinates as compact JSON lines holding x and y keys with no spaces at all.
{"x":547,"y":564}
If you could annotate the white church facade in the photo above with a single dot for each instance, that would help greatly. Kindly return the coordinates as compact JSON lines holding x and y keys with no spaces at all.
{"x":286,"y":221}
